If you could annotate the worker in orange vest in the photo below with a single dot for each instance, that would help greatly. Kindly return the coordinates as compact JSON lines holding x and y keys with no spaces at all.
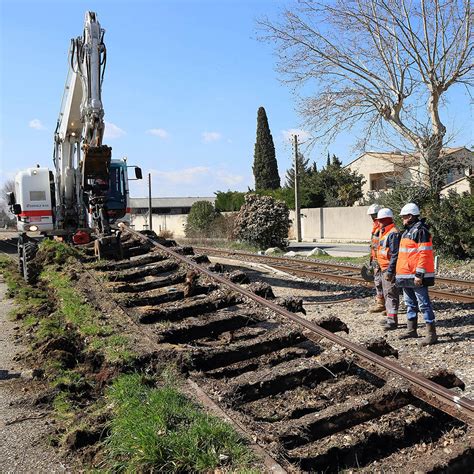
{"x":416,"y":272}
{"x":379,"y":306}
{"x":387,"y":255}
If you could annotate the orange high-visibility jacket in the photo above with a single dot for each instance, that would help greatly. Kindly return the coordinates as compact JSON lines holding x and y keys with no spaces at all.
{"x":415,"y":256}
{"x":374,"y":240}
{"x":387,"y":252}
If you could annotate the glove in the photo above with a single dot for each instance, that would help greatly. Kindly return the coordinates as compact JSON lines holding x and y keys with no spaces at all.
{"x":389,"y":277}
{"x":418,"y":281}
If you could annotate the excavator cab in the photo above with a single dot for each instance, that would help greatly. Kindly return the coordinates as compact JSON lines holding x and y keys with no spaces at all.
{"x":117,"y":192}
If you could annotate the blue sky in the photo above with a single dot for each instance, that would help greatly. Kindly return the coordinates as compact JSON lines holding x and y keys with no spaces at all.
{"x":183,"y":83}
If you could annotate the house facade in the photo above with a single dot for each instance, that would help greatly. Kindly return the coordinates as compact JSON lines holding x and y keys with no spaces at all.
{"x":382,"y":171}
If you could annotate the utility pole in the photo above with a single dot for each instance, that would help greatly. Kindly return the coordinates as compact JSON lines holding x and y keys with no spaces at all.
{"x":297,"y":194}
{"x":150,"y":208}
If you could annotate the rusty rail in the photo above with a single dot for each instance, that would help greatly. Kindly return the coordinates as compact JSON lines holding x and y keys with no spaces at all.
{"x":297,"y":267}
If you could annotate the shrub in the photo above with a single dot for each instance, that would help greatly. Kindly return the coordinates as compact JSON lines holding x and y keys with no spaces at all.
{"x":262,"y":221}
{"x":229,"y":201}
{"x":451,"y":221}
{"x":224,"y":226}
{"x":400,"y":195}
{"x":449,"y":217}
{"x":200,"y":219}
{"x":166,"y":234}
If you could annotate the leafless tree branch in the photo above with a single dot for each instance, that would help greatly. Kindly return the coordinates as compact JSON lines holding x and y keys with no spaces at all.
{"x":376,"y":62}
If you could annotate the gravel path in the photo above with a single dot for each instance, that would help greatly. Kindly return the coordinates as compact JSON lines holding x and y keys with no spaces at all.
{"x":24,"y":427}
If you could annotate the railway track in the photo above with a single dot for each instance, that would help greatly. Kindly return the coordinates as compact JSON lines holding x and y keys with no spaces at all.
{"x":446,"y":288}
{"x":310,"y":399}
{"x":313,"y":400}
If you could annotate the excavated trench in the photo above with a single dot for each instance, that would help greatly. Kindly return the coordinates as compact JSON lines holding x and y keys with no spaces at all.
{"x":314,"y":407}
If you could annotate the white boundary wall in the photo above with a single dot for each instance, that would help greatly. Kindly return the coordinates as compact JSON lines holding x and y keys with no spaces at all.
{"x":331,"y":223}
{"x":172,"y":222}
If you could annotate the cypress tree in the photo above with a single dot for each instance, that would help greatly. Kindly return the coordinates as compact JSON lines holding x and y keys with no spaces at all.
{"x":265,"y":168}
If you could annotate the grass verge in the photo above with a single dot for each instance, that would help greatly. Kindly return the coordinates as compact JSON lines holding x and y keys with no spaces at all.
{"x":159,"y":429}
{"x":142,"y":427}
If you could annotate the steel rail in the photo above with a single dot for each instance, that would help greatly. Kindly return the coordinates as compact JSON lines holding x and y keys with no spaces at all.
{"x":296,"y":267}
{"x":459,"y":297}
{"x":428,"y":391}
{"x":336,"y":266}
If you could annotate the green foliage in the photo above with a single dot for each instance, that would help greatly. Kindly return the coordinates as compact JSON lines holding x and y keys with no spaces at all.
{"x":201,"y":219}
{"x":449,"y":218}
{"x":159,"y":429}
{"x":262,"y":221}
{"x":265,"y":167}
{"x":340,"y":186}
{"x":229,"y":201}
{"x":303,"y":169}
{"x":400,"y":195}
{"x":286,"y":195}
{"x":333,"y":186}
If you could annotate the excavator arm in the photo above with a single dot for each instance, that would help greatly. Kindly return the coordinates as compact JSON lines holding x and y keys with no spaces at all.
{"x":82,"y":161}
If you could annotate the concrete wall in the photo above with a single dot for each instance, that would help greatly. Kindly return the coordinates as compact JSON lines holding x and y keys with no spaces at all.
{"x":333,"y":223}
{"x":172,"y":222}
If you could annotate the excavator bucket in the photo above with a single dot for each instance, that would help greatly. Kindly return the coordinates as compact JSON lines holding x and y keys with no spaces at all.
{"x":96,"y":163}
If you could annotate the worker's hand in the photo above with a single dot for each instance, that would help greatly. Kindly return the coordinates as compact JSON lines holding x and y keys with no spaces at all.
{"x":389,"y":277}
{"x":418,"y":281}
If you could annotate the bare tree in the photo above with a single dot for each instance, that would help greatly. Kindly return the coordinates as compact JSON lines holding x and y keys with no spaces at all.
{"x":377,"y":62}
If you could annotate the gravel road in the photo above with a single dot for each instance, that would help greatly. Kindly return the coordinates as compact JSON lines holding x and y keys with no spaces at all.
{"x":24,"y":427}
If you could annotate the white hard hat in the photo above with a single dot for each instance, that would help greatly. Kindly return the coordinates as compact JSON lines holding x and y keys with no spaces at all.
{"x":410,"y":208}
{"x":373,"y":209}
{"x":385,"y":212}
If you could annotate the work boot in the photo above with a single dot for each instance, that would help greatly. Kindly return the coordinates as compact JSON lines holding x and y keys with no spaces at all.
{"x":412,"y":326}
{"x":384,"y":320}
{"x":378,"y":307}
{"x":431,"y":336}
{"x":391,"y":323}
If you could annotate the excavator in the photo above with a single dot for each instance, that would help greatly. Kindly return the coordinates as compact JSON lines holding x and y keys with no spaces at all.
{"x":87,"y":194}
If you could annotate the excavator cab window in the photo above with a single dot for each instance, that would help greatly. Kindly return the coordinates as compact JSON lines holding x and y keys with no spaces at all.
{"x":117,"y":192}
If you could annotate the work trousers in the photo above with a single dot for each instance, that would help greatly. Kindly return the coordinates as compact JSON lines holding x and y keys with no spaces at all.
{"x":417,"y":299}
{"x":391,"y":294}
{"x":378,"y":282}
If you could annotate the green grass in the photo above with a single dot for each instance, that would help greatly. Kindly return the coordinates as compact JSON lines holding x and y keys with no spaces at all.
{"x":56,"y":252}
{"x":219,"y":244}
{"x":115,"y":347}
{"x":159,"y":429}
{"x":335,"y":259}
{"x":27,"y":298}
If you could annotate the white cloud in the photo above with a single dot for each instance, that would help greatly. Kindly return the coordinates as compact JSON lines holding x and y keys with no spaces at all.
{"x":36,"y":124}
{"x":208,"y":137}
{"x":228,"y":178}
{"x":185,"y":176}
{"x":113,"y":131}
{"x":194,"y":175}
{"x":158,"y":132}
{"x":288,"y":135}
